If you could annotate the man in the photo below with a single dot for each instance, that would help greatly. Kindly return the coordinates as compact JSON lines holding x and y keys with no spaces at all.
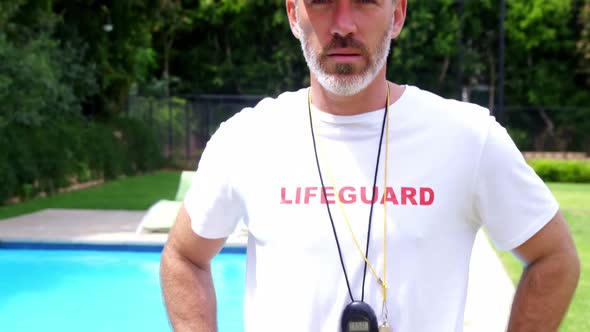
{"x":362,"y":198}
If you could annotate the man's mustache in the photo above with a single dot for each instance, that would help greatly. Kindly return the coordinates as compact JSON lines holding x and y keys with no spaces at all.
{"x":344,"y":42}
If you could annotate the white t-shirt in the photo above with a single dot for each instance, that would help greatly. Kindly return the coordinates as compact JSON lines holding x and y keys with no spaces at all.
{"x":451,"y":169}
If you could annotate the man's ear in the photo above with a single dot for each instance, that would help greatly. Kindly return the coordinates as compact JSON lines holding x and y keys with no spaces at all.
{"x":399,"y":17}
{"x":291,"y":8}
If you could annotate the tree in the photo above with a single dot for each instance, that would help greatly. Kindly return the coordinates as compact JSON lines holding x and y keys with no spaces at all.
{"x":425,"y":52}
{"x":583,"y":44}
{"x":238,"y":46}
{"x":41,"y":78}
{"x":171,"y":17}
{"x":540,"y":47}
{"x":122,"y":57}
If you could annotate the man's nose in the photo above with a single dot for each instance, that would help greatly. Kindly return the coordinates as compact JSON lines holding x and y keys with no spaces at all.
{"x":344,"y":20}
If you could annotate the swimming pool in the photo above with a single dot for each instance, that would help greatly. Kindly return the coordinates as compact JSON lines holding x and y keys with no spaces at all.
{"x":69,"y":290}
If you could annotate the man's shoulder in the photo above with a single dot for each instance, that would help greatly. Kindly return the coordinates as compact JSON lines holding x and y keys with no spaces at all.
{"x":284,"y":101}
{"x":446,"y":112}
{"x":268,"y":113}
{"x":434,"y":102}
{"x":269,"y":107}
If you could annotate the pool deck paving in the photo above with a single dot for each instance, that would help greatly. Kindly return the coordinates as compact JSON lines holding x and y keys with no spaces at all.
{"x":489,"y":294}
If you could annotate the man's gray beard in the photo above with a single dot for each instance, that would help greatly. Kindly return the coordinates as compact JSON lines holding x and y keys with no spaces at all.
{"x":346,"y":84}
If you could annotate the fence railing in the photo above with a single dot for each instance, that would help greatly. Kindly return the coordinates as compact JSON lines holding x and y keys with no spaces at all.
{"x":549,"y":129}
{"x":184,"y":124}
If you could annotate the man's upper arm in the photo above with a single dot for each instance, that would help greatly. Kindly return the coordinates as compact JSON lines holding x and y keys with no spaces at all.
{"x":182,"y":240}
{"x":511,"y":201}
{"x":553,"y":239}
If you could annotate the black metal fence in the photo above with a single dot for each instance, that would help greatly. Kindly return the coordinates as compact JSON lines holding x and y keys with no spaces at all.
{"x":549,"y":128}
{"x":183,"y":125}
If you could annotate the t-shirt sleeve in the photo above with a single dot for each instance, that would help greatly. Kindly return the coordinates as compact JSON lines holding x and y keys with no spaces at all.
{"x":211,"y":201}
{"x":512,"y":202}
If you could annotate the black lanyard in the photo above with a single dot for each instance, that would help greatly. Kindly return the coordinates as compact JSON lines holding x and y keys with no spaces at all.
{"x":328,"y":205}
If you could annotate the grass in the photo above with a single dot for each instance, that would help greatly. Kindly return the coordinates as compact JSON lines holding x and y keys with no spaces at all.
{"x":574,"y":200}
{"x":132,"y":193}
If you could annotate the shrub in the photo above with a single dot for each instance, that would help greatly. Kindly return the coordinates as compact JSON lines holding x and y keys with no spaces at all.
{"x":20,"y":155}
{"x":8,"y":181}
{"x":54,"y":157}
{"x":562,"y":170}
{"x":104,"y":154}
{"x":42,"y":80}
{"x":47,"y":158}
{"x":141,"y":147}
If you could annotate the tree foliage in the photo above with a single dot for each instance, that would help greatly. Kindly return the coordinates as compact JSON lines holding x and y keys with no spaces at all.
{"x":434,"y":69}
{"x":122,"y":57}
{"x":238,"y":46}
{"x":583,"y":44}
{"x":60,"y":51}
{"x":41,"y":77}
{"x":540,"y":38}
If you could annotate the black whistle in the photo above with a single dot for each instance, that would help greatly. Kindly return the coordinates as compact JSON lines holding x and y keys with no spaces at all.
{"x":358,"y":317}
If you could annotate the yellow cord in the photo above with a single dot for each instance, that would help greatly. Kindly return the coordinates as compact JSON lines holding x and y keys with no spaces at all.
{"x":382,"y":281}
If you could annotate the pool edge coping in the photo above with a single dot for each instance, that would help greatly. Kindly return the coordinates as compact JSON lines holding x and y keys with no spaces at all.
{"x":30,"y":244}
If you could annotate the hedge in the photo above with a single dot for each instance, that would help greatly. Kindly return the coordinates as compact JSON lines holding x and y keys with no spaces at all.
{"x":562,"y":170}
{"x":47,"y":158}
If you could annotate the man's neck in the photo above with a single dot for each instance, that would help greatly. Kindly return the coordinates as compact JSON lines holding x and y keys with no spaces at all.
{"x":372,"y":98}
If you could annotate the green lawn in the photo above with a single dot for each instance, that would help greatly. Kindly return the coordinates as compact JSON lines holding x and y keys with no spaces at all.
{"x":574,"y":200}
{"x":132,"y":193}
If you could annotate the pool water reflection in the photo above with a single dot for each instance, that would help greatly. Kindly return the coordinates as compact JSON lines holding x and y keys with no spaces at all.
{"x":85,"y":290}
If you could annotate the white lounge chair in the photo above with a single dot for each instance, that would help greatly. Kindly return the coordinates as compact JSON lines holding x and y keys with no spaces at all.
{"x":161,"y":215}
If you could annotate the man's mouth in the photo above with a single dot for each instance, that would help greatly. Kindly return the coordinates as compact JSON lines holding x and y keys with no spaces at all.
{"x":344,"y":54}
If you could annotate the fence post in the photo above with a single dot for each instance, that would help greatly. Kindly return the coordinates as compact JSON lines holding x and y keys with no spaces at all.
{"x":187,"y":130}
{"x":127,"y":107}
{"x":170,"y":138}
{"x":151,"y":113}
{"x":460,"y":50}
{"x":499,"y":112}
{"x":207,"y":120}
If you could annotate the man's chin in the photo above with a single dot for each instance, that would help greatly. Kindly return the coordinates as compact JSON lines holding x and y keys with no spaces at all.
{"x":344,"y":79}
{"x":344,"y":70}
{"x":342,"y":86}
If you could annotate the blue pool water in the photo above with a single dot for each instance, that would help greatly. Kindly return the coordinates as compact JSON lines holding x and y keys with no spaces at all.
{"x":84,"y":290}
